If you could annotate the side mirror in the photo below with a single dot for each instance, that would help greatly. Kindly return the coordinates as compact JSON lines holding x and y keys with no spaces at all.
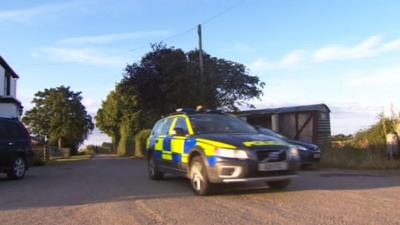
{"x":179,"y":131}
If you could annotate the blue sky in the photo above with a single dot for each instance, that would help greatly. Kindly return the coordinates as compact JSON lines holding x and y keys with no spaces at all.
{"x":342,"y":53}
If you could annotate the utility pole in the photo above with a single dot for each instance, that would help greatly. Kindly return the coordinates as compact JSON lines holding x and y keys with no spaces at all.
{"x":201,"y":64}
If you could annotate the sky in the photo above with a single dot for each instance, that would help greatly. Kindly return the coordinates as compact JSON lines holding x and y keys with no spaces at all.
{"x":342,"y":53}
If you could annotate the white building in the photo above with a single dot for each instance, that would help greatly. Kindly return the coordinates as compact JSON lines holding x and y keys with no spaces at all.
{"x":10,"y":107}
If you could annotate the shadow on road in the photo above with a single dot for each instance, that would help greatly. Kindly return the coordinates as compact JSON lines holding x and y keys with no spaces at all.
{"x":108,"y":178}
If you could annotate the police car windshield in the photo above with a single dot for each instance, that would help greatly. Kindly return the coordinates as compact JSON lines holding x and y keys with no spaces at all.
{"x":214,"y":123}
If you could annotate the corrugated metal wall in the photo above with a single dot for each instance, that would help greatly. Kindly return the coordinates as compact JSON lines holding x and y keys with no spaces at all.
{"x":323,"y":128}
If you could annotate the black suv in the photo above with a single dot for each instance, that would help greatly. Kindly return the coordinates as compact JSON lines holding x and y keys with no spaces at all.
{"x":212,"y":147}
{"x":15,"y":148}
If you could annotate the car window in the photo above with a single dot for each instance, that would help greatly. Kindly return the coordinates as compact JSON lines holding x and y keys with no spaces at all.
{"x":181,"y":123}
{"x":156,"y":128}
{"x":165,"y":126}
{"x":212,"y":123}
{"x":271,"y":133}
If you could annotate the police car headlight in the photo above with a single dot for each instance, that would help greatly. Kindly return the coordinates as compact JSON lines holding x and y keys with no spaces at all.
{"x":293,"y":153}
{"x":301,"y":148}
{"x":231,"y":153}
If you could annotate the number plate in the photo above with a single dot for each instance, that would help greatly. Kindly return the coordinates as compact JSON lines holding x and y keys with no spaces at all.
{"x":273,"y":166}
{"x":317,"y":155}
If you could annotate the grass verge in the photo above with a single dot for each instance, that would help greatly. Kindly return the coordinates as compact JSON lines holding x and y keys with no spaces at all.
{"x":348,"y":157}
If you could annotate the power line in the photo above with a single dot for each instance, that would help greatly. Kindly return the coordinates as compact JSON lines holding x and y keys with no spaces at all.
{"x":223,"y":12}
{"x":210,"y":19}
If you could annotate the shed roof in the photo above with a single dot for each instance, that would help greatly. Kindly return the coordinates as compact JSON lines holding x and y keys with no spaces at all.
{"x":301,"y":108}
{"x":8,"y":67}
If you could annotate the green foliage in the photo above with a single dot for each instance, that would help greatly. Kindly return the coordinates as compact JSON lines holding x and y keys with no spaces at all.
{"x":350,"y":157}
{"x":376,"y":134}
{"x":59,"y":115}
{"x":120,"y":117}
{"x":168,"y":78}
{"x":365,"y":150}
{"x":108,"y":147}
{"x":38,"y":158}
{"x":140,"y":142}
{"x":126,"y":143}
{"x":341,"y":137}
{"x":96,"y":149}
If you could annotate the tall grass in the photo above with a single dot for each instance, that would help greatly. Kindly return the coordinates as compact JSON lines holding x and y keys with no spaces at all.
{"x":349,"y":157}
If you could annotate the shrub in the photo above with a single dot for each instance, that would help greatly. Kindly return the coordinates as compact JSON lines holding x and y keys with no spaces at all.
{"x":140,"y":142}
{"x":349,"y":157}
{"x":108,"y":147}
{"x":38,"y":158}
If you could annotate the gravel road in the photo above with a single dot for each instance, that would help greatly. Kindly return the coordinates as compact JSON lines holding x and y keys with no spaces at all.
{"x":111,"y":190}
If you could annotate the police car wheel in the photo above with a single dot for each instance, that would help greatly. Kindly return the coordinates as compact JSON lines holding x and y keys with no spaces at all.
{"x":154,"y":172}
{"x":198,"y":177}
{"x":277,"y":185}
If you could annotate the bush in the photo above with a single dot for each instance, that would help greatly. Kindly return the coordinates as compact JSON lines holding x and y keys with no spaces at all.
{"x":140,"y":143}
{"x":89,"y":149}
{"x":108,"y":147}
{"x":38,"y":158}
{"x":350,"y":157}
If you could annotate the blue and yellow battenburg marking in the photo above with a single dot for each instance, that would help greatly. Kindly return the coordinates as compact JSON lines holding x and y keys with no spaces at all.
{"x":261,"y":143}
{"x":178,"y":148}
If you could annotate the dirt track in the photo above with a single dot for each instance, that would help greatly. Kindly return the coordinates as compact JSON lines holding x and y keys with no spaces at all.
{"x":110,"y":190}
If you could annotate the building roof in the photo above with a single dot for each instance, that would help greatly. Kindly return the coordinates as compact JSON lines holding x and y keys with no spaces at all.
{"x":301,"y":108}
{"x":10,"y":100}
{"x":8,"y":68}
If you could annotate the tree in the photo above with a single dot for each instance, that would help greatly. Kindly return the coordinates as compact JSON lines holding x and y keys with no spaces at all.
{"x":168,"y":78}
{"x":59,"y":115}
{"x":120,"y":118}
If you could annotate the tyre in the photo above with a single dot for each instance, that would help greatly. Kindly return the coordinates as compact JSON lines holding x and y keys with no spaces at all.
{"x":153,"y":170}
{"x":198,"y":177}
{"x":278,"y":185}
{"x":18,"y":168}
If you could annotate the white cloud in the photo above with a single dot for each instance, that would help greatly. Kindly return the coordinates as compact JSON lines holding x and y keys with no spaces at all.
{"x":391,"y":46}
{"x":370,"y":47}
{"x":81,"y":55}
{"x":109,"y":38}
{"x":28,"y":14}
{"x":293,"y":57}
{"x":366,"y":48}
{"x":287,"y":60}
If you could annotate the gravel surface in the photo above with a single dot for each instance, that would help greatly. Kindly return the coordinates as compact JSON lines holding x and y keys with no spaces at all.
{"x":111,"y":190}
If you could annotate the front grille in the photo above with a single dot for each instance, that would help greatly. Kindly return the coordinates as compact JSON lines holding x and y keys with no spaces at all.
{"x":271,"y":156}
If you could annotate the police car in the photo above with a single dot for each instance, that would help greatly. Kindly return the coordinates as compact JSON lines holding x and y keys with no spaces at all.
{"x":211,"y":147}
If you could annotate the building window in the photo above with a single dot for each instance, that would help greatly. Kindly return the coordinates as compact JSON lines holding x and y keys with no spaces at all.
{"x":7,"y":85}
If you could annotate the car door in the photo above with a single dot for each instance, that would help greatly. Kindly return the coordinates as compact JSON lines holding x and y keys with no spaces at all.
{"x":178,"y":142}
{"x":19,"y":137}
{"x":4,"y":145}
{"x":162,"y":147}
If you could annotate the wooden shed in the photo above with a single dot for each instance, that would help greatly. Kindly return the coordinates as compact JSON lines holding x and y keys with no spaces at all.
{"x":309,"y":123}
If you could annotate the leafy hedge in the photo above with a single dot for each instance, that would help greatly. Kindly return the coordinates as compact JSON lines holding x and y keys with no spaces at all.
{"x":140,"y":143}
